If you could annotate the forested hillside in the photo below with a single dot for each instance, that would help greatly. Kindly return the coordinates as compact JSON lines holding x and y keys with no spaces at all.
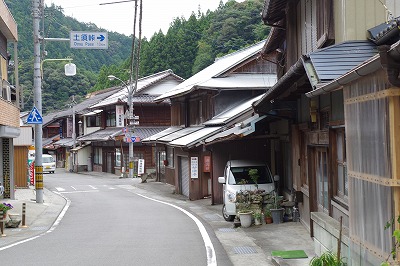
{"x":188,"y":46}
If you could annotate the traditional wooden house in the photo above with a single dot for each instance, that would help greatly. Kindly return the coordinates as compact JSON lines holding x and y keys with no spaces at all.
{"x":109,"y":144}
{"x":342,"y":145}
{"x":213,"y":105}
{"x":58,"y":138}
{"x":9,"y":101}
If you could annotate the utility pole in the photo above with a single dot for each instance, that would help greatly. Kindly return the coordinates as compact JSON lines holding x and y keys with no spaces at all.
{"x":37,"y":84}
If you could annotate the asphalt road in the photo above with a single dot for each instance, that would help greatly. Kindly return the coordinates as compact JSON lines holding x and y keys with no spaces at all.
{"x":107,"y":223}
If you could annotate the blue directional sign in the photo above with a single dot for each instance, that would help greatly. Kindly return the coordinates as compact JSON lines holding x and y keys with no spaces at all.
{"x":88,"y":40}
{"x":34,"y":117}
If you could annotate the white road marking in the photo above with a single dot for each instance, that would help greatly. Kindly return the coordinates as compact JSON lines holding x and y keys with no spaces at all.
{"x":92,"y":187}
{"x":78,"y":191}
{"x":52,"y":228}
{"x":73,"y":188}
{"x":211,"y":257}
{"x":60,"y":189}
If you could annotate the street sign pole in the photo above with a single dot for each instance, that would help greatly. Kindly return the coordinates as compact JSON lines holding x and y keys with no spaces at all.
{"x":37,"y":84}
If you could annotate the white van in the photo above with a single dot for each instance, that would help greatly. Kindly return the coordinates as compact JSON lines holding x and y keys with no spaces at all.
{"x":49,"y":164}
{"x":235,"y":171}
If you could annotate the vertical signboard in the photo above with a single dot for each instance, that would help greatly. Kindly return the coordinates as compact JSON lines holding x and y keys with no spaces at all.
{"x":140,"y":166}
{"x":194,"y":167}
{"x":119,"y":113}
{"x":31,"y":165}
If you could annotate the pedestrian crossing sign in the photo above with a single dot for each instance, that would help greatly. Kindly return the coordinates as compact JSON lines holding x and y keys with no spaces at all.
{"x":34,"y":117}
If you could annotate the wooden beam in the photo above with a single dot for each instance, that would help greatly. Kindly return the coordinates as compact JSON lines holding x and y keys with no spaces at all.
{"x":394,"y":119}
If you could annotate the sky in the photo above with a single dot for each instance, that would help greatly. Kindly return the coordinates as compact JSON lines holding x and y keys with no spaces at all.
{"x":118,"y":17}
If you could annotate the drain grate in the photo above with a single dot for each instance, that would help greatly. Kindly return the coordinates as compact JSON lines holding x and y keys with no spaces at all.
{"x":212,"y":217}
{"x":244,"y":250}
{"x":39,"y":228}
{"x":225,"y":230}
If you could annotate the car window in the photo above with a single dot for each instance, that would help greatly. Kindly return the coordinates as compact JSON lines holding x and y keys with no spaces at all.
{"x":47,"y":159}
{"x":240,"y":173}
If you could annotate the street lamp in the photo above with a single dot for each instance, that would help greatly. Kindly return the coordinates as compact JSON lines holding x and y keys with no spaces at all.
{"x":130,"y":123}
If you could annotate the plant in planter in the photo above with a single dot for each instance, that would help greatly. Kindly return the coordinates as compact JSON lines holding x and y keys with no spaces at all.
{"x":243,"y":207}
{"x":327,"y":259}
{"x":276,"y":210}
{"x":257,"y":217}
{"x":253,"y":173}
{"x":4,"y":207}
{"x":268,"y":216}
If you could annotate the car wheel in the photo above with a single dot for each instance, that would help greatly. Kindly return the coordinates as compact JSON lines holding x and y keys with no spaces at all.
{"x":227,"y":217}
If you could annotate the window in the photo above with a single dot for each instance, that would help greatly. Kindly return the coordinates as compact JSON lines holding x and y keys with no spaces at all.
{"x":170,"y":156}
{"x":110,"y":118}
{"x":118,"y":157}
{"x":98,"y":156}
{"x":322,"y":179}
{"x":342,"y":181}
{"x":325,"y":31}
{"x":93,"y":121}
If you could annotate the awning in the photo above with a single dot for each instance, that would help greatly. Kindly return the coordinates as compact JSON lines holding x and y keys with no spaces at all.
{"x":195,"y":138}
{"x":242,"y":129}
{"x":67,"y":142}
{"x":179,"y":134}
{"x":79,"y":148}
{"x":161,"y":134}
{"x":95,"y":112}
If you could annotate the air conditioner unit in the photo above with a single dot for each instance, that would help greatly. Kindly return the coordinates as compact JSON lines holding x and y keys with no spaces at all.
{"x":6,"y":93}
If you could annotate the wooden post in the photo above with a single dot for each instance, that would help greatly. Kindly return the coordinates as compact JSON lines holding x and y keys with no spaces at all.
{"x":394,"y":118}
{"x":339,"y":244}
{"x":2,"y":221}
{"x":23,"y":214}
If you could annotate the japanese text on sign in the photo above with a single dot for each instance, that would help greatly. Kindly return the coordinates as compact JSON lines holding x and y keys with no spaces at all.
{"x":194,"y":167}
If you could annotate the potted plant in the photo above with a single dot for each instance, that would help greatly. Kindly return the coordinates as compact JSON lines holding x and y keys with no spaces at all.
{"x":4,"y":207}
{"x":276,"y":211}
{"x":257,"y":217}
{"x":253,"y":173}
{"x":268,"y":216}
{"x":243,"y":208}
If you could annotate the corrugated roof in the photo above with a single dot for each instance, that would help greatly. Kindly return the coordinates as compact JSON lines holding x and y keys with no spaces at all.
{"x":334,"y":61}
{"x":231,"y":114}
{"x":179,"y":134}
{"x":196,"y":137}
{"x":220,"y":66}
{"x":162,"y":134}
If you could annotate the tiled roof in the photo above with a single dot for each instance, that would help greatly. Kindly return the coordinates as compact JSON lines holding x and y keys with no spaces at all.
{"x":111,"y":132}
{"x":219,"y":67}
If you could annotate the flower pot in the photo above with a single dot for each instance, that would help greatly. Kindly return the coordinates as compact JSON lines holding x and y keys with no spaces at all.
{"x":257,"y":221}
{"x":245,"y":218}
{"x":268,"y":220}
{"x":277,"y":215}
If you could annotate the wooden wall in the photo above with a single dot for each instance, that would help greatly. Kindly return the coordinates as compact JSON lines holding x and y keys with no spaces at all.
{"x":20,"y":166}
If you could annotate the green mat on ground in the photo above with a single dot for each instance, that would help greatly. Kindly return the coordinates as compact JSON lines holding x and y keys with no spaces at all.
{"x":289,"y":254}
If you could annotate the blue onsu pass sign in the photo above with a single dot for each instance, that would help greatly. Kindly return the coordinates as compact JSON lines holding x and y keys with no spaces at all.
{"x":88,"y":40}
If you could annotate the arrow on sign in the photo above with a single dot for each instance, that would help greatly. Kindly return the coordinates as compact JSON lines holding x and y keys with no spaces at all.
{"x":101,"y":37}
